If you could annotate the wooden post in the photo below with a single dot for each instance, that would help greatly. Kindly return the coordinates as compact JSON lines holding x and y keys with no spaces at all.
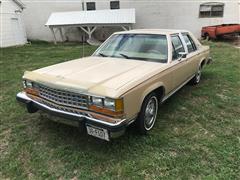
{"x":61,"y":33}
{"x":89,"y":31}
{"x":54,"y":36}
{"x":124,"y":28}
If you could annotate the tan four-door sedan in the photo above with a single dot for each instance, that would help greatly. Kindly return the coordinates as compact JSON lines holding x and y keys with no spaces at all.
{"x":124,"y":81}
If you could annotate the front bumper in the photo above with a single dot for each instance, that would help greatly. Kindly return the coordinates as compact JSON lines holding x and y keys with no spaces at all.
{"x":114,"y":129}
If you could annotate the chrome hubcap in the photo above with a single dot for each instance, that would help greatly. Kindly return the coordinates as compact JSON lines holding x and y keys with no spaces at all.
{"x":198,"y":76}
{"x":150,"y":113}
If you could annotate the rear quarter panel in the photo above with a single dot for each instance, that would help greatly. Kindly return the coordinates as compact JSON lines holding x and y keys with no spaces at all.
{"x":204,"y":54}
{"x":201,"y":55}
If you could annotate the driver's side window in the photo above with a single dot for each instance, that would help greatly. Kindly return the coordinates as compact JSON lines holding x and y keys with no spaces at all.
{"x":177,"y":47}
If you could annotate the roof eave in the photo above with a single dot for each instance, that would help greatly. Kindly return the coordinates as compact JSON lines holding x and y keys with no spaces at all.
{"x":91,"y":24}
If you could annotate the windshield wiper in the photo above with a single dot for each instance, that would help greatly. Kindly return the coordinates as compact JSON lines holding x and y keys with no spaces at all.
{"x":103,"y":55}
{"x":125,"y":56}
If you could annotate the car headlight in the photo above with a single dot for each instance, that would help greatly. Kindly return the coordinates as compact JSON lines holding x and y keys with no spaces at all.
{"x":27,"y":84}
{"x":24,"y":84}
{"x":114,"y":105}
{"x":97,"y":101}
{"x":30,"y":88}
{"x":109,"y":103}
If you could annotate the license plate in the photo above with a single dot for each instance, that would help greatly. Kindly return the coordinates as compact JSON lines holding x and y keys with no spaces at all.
{"x":98,"y":132}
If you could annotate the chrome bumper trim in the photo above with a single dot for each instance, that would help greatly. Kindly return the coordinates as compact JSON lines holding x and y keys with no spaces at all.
{"x":22,"y":95}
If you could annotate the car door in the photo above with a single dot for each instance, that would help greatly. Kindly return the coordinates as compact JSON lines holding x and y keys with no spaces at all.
{"x":192,"y":60}
{"x":178,"y":64}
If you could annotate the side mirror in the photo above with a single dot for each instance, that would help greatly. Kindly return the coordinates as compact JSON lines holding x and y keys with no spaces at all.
{"x":182,"y":55}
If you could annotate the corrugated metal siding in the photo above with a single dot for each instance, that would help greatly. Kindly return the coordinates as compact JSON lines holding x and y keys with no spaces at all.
{"x":120,"y":16}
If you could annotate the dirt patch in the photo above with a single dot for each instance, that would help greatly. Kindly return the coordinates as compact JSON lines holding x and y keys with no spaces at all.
{"x":4,"y":140}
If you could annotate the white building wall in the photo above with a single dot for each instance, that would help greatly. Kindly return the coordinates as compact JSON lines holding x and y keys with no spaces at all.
{"x":12,"y":31}
{"x":37,"y":13}
{"x":177,"y":14}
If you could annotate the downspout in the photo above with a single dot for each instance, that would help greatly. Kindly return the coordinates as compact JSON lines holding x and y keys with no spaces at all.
{"x":83,"y":7}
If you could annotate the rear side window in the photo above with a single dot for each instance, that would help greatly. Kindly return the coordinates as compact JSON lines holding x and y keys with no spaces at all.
{"x":177,"y":46}
{"x":189,"y":42}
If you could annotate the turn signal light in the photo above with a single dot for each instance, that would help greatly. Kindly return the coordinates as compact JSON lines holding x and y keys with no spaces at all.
{"x":116,"y":114}
{"x":31,"y":91}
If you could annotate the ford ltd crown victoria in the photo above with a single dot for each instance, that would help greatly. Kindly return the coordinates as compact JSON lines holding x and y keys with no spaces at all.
{"x":124,"y":81}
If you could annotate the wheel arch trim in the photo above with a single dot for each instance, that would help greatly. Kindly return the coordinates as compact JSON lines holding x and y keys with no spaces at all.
{"x":203,"y":60}
{"x":152,"y":88}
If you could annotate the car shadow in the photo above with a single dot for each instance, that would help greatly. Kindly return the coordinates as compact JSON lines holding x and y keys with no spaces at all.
{"x":61,"y":135}
{"x":230,"y":39}
{"x":78,"y":140}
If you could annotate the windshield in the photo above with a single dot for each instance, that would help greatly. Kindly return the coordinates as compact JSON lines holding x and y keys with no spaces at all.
{"x":147,"y":47}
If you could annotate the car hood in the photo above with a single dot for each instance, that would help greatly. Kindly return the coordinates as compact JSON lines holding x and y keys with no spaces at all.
{"x":103,"y":76}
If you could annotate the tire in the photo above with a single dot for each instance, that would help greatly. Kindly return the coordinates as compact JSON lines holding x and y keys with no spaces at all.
{"x":196,"y":79}
{"x":148,"y":114}
{"x":206,"y":37}
{"x":219,"y":37}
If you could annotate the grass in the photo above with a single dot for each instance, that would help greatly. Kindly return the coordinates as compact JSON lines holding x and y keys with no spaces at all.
{"x":196,"y":136}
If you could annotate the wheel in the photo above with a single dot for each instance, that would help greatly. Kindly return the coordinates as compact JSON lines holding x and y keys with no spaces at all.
{"x":206,"y":37}
{"x":196,"y":79}
{"x":147,"y":116}
{"x":219,"y":37}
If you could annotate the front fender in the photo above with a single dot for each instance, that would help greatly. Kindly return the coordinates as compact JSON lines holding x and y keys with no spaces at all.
{"x":151,"y":89}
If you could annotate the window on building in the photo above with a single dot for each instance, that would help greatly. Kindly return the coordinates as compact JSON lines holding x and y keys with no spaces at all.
{"x":91,"y":6}
{"x":189,"y":42}
{"x":211,"y":10}
{"x":177,"y":47}
{"x":114,"y":5}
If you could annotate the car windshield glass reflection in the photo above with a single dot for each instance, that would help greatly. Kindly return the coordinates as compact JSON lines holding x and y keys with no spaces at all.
{"x":146,"y":47}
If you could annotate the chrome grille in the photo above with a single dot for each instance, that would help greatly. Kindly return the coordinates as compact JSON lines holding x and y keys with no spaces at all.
{"x":62,"y":108}
{"x":63,"y":97}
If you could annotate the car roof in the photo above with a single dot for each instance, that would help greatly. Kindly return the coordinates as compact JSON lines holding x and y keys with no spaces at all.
{"x":152,"y":31}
